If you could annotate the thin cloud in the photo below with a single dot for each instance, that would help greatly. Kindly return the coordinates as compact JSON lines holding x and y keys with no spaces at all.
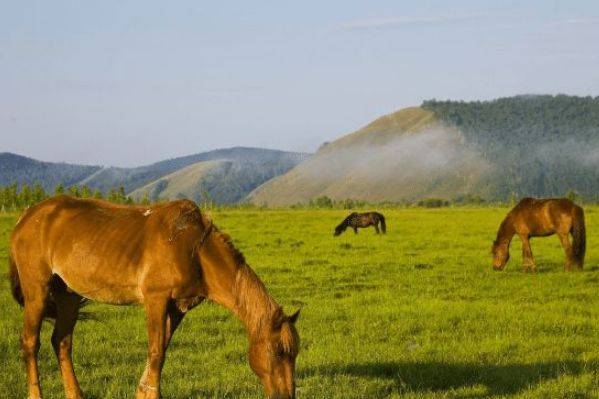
{"x":576,"y":21}
{"x":386,"y":22}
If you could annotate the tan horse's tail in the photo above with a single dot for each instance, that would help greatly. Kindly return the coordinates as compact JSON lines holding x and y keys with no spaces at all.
{"x":15,"y":283}
{"x":579,"y":245}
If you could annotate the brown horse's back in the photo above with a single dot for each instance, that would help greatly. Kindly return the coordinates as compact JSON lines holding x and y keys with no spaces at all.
{"x":541,"y":217}
{"x":100,"y":250}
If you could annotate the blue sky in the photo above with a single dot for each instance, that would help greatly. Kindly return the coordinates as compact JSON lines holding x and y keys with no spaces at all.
{"x":132,"y":82}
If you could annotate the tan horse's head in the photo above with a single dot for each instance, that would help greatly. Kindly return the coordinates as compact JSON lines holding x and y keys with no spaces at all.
{"x":272,"y":356}
{"x":501,"y":255}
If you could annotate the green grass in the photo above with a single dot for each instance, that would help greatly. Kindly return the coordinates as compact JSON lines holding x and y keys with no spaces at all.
{"x":417,"y":313}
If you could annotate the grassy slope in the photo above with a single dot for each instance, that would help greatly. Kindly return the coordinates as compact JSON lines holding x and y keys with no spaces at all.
{"x":184,"y":182}
{"x":414,"y":314}
{"x":387,"y":160}
{"x":386,"y":128}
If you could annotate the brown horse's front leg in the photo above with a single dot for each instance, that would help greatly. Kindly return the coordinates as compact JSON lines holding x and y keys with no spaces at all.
{"x":149,"y":385}
{"x":528,"y":261}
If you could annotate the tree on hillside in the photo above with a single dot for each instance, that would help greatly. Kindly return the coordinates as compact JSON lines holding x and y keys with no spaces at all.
{"x":59,"y":189}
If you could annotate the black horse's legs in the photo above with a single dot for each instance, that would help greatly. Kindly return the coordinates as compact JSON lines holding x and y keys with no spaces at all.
{"x":376,"y":227}
{"x":355,"y":230}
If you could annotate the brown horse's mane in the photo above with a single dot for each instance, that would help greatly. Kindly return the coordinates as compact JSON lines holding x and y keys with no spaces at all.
{"x":253,"y":303}
{"x":505,"y":232}
{"x":226,"y":240}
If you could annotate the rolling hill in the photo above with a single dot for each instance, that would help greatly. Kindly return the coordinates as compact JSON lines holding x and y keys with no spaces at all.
{"x":510,"y":147}
{"x":221,"y":179}
{"x":23,"y":170}
{"x":239,"y":171}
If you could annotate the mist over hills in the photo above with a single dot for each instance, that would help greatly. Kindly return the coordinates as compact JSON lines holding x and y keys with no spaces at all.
{"x":532,"y":145}
{"x":246,"y":169}
{"x":517,"y":146}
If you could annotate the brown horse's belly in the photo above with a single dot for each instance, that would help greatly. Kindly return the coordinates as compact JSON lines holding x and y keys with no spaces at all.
{"x":112,"y":289}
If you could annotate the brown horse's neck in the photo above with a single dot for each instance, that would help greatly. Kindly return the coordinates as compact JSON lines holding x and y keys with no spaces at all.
{"x":234,"y":285}
{"x":506,"y":232}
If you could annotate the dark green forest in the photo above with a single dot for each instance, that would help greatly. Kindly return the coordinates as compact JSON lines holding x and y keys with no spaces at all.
{"x":15,"y":198}
{"x":539,"y":145}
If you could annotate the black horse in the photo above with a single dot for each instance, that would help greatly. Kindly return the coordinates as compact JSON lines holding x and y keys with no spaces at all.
{"x":361,"y":220}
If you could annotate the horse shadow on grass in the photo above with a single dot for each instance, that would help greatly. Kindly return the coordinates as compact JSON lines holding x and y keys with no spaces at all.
{"x":436,"y":376}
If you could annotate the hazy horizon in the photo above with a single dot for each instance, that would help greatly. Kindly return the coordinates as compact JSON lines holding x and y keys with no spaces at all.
{"x":127,"y":84}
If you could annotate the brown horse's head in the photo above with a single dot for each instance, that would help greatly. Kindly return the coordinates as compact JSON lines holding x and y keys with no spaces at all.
{"x":272,"y":356}
{"x":501,"y":255}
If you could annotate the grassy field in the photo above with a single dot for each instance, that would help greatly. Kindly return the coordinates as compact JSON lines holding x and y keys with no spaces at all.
{"x":417,"y":313}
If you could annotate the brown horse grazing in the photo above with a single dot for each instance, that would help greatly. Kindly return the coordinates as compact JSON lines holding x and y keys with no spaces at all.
{"x":360,"y":220}
{"x":541,"y":218}
{"x":167,"y":257}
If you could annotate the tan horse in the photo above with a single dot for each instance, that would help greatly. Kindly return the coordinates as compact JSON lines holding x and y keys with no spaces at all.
{"x":541,"y":218}
{"x":167,"y":257}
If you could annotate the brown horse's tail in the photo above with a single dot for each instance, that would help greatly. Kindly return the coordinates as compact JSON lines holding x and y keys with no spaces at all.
{"x":15,"y":283}
{"x":579,"y":245}
{"x":383,"y":224}
{"x":17,"y":292}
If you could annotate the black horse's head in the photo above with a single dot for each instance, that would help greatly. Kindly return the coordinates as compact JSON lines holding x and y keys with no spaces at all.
{"x":340,"y":229}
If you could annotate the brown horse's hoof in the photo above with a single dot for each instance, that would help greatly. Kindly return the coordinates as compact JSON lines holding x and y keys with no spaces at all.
{"x":147,"y":392}
{"x":74,"y":395}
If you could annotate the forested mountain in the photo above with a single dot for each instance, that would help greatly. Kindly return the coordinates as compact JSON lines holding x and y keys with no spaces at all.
{"x":275,"y":162}
{"x":246,"y":169}
{"x":226,"y":178}
{"x":511,"y":147}
{"x":538,"y":145}
{"x":22,"y":170}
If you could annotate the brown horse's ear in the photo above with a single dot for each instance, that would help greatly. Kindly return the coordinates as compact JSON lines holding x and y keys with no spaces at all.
{"x":278,"y":319}
{"x":293,"y":318}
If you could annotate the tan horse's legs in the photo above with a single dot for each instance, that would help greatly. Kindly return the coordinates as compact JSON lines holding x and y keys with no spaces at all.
{"x":35,"y":298}
{"x":565,"y":241}
{"x":149,"y":385}
{"x":528,"y":261}
{"x":67,"y":308}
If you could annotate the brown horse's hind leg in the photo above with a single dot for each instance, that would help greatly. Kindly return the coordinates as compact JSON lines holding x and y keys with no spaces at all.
{"x":33,"y":314}
{"x":528,"y":261}
{"x":565,"y":241}
{"x":67,"y":310}
{"x":149,"y":385}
